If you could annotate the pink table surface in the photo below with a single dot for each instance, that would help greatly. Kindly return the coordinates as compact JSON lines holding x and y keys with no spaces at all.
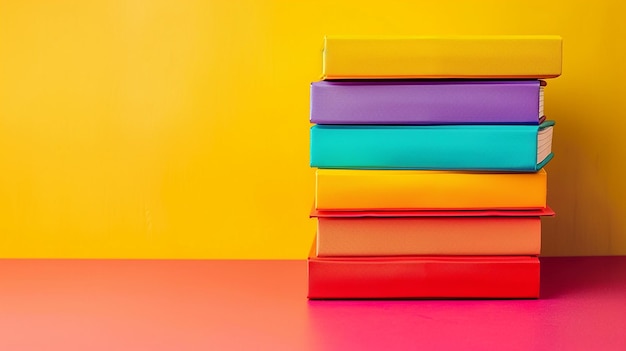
{"x":262,"y":305}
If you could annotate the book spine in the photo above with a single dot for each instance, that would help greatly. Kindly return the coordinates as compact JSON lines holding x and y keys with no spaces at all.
{"x":452,"y":147}
{"x":425,"y":102}
{"x":346,"y":237}
{"x":428,"y":190}
{"x":442,"y":57}
{"x":423,"y":277}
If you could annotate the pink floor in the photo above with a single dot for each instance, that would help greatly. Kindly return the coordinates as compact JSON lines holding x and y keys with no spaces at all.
{"x":262,"y":305}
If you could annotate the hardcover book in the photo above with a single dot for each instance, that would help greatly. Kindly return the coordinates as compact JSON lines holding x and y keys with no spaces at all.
{"x":427,"y":102}
{"x":419,"y":236}
{"x":423,"y":277}
{"x":345,"y":190}
{"x":348,"y":57}
{"x":512,"y":148}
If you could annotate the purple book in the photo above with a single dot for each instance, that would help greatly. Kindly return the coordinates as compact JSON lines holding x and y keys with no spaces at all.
{"x":427,"y":102}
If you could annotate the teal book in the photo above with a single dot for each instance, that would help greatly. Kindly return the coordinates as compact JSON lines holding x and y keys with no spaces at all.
{"x":508,"y":148}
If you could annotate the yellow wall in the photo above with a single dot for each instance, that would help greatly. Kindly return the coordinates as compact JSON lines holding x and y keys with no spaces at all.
{"x":180,"y":128}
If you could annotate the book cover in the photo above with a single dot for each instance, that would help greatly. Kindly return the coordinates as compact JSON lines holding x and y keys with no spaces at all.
{"x":344,"y":190}
{"x":511,"y":148}
{"x":423,"y":277}
{"x":426,"y":102}
{"x":546,"y":211}
{"x":419,"y":236}
{"x":351,"y":57}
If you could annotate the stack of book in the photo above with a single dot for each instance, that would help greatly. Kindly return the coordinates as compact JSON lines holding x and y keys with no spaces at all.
{"x":430,"y":155}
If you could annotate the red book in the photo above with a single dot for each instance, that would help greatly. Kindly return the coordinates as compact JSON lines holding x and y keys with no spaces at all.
{"x":423,"y":277}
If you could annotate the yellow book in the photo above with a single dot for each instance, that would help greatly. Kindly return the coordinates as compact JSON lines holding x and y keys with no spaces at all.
{"x":341,"y":189}
{"x":530,"y":56}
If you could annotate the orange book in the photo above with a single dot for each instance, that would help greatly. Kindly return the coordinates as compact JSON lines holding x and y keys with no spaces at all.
{"x":410,"y":236}
{"x":344,"y":190}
